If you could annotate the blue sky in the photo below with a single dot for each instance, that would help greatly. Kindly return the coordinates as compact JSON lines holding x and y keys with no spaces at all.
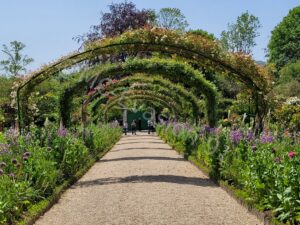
{"x":47,"y":26}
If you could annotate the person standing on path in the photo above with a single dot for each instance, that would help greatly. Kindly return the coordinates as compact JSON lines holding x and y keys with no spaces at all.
{"x":150,"y":126}
{"x":133,"y":127}
{"x":125,"y":127}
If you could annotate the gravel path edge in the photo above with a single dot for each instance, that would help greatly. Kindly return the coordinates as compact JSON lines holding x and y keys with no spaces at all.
{"x":39,"y":209}
{"x":265,"y":217}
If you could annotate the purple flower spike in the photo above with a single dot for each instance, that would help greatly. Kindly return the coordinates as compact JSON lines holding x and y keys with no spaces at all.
{"x":62,"y":132}
{"x":250,"y":136}
{"x":266,"y":138}
{"x":236,"y":136}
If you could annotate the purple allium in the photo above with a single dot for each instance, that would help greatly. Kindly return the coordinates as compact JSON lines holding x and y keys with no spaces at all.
{"x":266,"y":138}
{"x":25,"y":158}
{"x":209,"y":130}
{"x":177,"y":128}
{"x":14,"y":161}
{"x":4,"y":149}
{"x":161,"y":121}
{"x":2,"y":164}
{"x":12,"y":135}
{"x":12,"y":175}
{"x":254,"y":148}
{"x":62,"y":132}
{"x":250,"y":136}
{"x":27,"y":154}
{"x":236,"y":136}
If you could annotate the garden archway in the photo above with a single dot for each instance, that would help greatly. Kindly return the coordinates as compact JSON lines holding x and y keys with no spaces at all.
{"x":173,"y":70}
{"x":194,"y":48}
{"x":157,"y":84}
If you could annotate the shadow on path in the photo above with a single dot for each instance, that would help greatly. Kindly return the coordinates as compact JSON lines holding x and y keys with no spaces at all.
{"x":142,"y":158}
{"x":142,"y":148}
{"x":148,"y":179}
{"x":138,"y":142}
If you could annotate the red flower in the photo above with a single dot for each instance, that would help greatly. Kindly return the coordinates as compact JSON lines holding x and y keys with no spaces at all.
{"x":292,"y":154}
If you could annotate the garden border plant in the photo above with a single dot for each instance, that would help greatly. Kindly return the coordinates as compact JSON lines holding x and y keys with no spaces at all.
{"x":260,"y":172}
{"x":38,"y":143}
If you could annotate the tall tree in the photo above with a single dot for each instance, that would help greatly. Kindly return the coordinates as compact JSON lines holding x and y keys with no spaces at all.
{"x":15,"y":62}
{"x":284,"y":45}
{"x":172,"y":19}
{"x":240,"y":36}
{"x":121,"y":17}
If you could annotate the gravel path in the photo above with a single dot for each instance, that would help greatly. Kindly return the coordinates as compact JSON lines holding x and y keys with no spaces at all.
{"x":143,"y":181}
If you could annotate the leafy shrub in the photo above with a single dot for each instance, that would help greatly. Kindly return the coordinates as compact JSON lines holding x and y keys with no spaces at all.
{"x":40,"y":170}
{"x":15,"y":197}
{"x":104,"y":136}
{"x":33,"y":164}
{"x":75,"y":156}
{"x":266,"y":168}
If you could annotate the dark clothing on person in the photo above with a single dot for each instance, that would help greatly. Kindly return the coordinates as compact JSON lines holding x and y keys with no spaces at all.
{"x":150,"y":126}
{"x":133,"y":127}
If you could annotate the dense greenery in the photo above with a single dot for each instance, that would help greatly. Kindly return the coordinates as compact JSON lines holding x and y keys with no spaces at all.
{"x":33,"y":164}
{"x":174,"y":70}
{"x":264,"y":169}
{"x":284,"y":45}
{"x":191,"y":106}
{"x":192,"y":76}
{"x":194,"y":48}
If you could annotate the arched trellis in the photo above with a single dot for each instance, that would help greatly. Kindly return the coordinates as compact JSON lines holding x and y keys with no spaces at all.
{"x":157,"y":82}
{"x":205,"y":52}
{"x":152,"y":90}
{"x":173,"y":70}
{"x":157,"y":99}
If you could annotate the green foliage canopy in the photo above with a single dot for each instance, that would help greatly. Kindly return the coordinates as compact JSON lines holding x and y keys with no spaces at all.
{"x":284,"y":45}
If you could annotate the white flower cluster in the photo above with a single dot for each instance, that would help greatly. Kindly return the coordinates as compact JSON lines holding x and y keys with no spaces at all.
{"x":293,"y":101}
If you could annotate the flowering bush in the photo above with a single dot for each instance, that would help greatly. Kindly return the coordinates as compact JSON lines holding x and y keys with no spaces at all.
{"x":33,"y":164}
{"x":265,"y":168}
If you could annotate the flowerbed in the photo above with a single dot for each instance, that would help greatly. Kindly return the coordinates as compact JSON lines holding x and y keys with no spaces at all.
{"x":34,"y":164}
{"x":265,"y":170}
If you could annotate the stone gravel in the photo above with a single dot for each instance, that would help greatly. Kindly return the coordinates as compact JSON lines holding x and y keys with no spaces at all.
{"x":143,"y":181}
